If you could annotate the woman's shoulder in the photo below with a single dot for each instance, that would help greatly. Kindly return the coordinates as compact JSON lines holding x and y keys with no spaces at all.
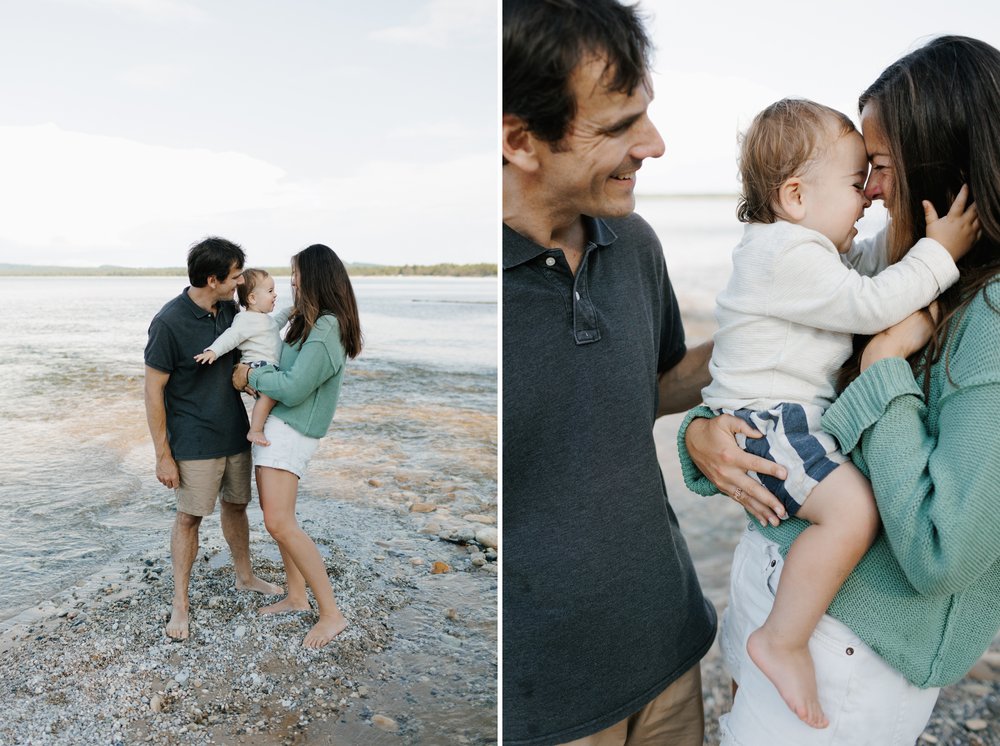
{"x":326,"y":328}
{"x":974,"y":353}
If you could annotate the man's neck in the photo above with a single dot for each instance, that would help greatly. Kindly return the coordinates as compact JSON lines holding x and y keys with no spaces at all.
{"x":204,"y":298}
{"x":546,"y":225}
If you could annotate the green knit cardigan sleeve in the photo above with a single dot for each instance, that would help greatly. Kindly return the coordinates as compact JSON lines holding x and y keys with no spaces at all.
{"x":934,"y":467}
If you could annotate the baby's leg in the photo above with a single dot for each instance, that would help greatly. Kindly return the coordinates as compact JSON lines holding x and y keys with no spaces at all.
{"x":261,"y":409}
{"x":845,"y":522}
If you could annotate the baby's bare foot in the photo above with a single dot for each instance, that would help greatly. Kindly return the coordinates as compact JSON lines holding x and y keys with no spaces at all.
{"x":790,"y":669}
{"x":283,"y":606}
{"x":259,"y":585}
{"x":324,"y":630}
{"x":257,"y":436}
{"x":178,"y":628}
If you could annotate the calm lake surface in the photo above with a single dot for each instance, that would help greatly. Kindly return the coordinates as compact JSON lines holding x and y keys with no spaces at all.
{"x":77,"y":482}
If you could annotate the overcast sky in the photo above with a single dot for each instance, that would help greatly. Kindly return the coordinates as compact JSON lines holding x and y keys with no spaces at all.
{"x":719,"y":62}
{"x":130,"y":129}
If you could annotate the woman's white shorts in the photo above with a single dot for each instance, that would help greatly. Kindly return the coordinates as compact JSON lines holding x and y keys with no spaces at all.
{"x":866,"y":701}
{"x":289,"y":450}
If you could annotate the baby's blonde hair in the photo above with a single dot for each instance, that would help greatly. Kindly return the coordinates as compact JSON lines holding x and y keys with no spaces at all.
{"x":251,"y":279}
{"x":780,"y":141}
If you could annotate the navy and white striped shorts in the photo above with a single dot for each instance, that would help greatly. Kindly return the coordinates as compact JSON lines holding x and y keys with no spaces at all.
{"x":793,"y":438}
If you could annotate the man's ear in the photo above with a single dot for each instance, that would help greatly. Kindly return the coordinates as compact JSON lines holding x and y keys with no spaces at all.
{"x":791,"y":201}
{"x":518,"y":145}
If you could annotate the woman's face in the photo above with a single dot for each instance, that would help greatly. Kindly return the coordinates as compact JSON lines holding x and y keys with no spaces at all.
{"x":880,"y":182}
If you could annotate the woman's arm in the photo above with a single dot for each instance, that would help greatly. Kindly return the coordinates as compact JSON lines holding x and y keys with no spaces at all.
{"x":321,"y":357}
{"x":936,"y":483}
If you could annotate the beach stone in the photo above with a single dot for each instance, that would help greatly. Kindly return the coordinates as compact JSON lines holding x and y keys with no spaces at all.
{"x":156,"y":703}
{"x":928,"y":738}
{"x":452,"y":614}
{"x":181,"y":677}
{"x":385,"y":723}
{"x":474,"y":518}
{"x":478,"y":559}
{"x":422,"y":508}
{"x":488,"y":537}
{"x":416,"y":561}
{"x":976,"y":724}
{"x":983,"y":671}
{"x":440,"y":567}
{"x":375,"y":482}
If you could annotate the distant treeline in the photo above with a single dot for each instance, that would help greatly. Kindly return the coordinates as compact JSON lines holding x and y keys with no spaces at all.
{"x":357,"y":270}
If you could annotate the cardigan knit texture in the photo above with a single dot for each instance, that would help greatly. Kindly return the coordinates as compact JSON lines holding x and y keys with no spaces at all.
{"x":926,"y":596}
{"x":308,"y":385}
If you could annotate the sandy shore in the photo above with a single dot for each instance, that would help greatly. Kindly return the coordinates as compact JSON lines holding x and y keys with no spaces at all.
{"x":967,"y":713}
{"x":418,"y":663}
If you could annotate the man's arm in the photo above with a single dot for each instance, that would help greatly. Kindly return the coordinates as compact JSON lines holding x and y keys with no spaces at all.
{"x":156,"y":418}
{"x":680,"y":387}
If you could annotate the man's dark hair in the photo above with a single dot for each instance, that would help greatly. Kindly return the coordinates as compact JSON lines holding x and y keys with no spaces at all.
{"x":545,"y":40}
{"x":213,"y":257}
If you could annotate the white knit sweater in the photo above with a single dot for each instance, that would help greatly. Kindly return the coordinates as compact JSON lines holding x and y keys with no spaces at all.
{"x":793,"y":302}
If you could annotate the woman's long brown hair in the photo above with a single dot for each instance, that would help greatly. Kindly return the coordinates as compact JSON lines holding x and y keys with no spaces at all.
{"x":938,"y":107}
{"x":323,"y":287}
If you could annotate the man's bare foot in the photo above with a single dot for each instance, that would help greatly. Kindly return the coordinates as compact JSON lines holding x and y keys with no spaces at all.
{"x":257,"y":436}
{"x":324,"y":630}
{"x":283,"y":606}
{"x":259,"y":585}
{"x":177,"y":627}
{"x":791,"y":671}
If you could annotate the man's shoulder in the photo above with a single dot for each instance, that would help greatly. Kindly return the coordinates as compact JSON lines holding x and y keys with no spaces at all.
{"x":169,"y":310}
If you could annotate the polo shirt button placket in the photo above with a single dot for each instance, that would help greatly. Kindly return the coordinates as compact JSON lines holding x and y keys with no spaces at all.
{"x":550,"y":261}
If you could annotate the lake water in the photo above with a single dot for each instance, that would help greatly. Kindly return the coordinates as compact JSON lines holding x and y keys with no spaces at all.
{"x":77,"y":482}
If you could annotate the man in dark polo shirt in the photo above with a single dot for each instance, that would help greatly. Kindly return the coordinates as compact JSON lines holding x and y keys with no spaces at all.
{"x":604,"y":622}
{"x":198,"y":421}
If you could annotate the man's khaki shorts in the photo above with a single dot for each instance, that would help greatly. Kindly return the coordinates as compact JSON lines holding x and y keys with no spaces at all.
{"x":203,"y":480}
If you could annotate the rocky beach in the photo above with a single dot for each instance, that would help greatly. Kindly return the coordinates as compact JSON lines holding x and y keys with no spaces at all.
{"x":416,"y":665}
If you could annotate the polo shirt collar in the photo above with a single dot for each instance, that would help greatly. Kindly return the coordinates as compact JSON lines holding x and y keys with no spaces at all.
{"x":197,"y":310}
{"x":518,"y":249}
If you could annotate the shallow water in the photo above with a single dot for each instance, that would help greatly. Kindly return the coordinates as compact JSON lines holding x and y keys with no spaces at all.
{"x":76,"y":475}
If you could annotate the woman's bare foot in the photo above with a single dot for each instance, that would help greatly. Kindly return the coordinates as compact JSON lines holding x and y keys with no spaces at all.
{"x":259,"y":585}
{"x":324,"y":630}
{"x":178,"y":628}
{"x":257,"y":436}
{"x":283,"y":606}
{"x":790,"y":669}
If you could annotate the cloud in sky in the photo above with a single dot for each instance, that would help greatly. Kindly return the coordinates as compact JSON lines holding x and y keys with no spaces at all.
{"x":158,"y":10}
{"x":442,"y":22}
{"x":134,"y":127}
{"x":117,"y":195}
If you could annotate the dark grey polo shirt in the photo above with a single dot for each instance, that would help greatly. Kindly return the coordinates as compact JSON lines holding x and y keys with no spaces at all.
{"x":205,"y":415}
{"x":601,"y":606}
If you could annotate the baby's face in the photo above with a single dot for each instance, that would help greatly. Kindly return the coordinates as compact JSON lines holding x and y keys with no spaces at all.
{"x":834,"y":190}
{"x":263,"y":296}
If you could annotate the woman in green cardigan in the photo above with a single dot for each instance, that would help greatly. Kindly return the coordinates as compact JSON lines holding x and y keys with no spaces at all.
{"x":924,"y":603}
{"x":323,"y":332}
